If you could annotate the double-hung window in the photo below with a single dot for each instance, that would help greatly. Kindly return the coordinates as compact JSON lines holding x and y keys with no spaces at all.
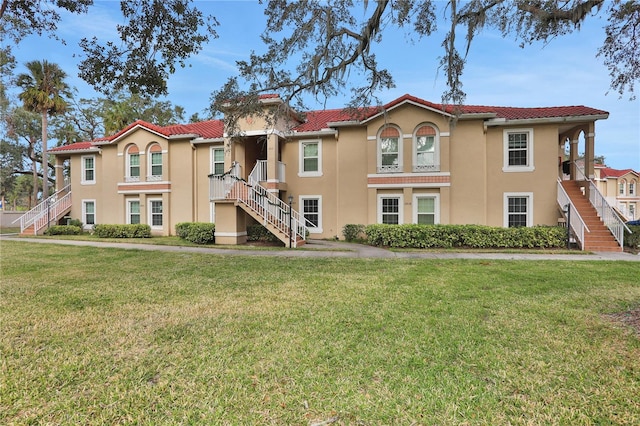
{"x":133,"y":164}
{"x":155,"y":162}
{"x":425,"y":209}
{"x":426,"y":150}
{"x":89,"y":213}
{"x":155,"y":214}
{"x":518,"y":150}
{"x":312,"y":212}
{"x":518,"y":208}
{"x":310,"y":158}
{"x":389,"y":150}
{"x":133,"y":212}
{"x":390,"y":209}
{"x":217,"y":161}
{"x":88,"y":169}
{"x":621,"y":187}
{"x":632,"y":188}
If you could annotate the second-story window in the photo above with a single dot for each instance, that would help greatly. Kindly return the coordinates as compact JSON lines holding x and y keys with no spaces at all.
{"x":89,"y":169}
{"x":632,"y":187}
{"x":621,"y":187}
{"x":310,"y":158}
{"x":389,"y":150}
{"x":518,"y":150}
{"x":133,"y":164}
{"x":155,"y":162}
{"x":426,"y":150}
{"x":217,"y":161}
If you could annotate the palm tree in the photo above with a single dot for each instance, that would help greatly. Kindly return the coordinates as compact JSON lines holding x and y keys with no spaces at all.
{"x":44,"y":92}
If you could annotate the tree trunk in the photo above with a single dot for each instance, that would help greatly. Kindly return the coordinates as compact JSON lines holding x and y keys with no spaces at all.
{"x":45,"y":158}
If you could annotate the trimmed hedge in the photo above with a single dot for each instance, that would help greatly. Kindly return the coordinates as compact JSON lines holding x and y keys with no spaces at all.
{"x":63,"y":230}
{"x":197,"y":232}
{"x":632,"y":240}
{"x":471,"y":236}
{"x":258,"y":232}
{"x":122,"y":231}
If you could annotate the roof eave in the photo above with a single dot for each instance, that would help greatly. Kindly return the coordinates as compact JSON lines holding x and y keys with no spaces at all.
{"x":546,"y":120}
{"x":405,"y":102}
{"x":313,"y":133}
{"x":76,"y":151}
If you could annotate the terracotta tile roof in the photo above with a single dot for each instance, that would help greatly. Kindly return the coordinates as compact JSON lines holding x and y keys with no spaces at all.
{"x":204,"y":129}
{"x":79,"y":146}
{"x":318,"y":120}
{"x":607,"y":172}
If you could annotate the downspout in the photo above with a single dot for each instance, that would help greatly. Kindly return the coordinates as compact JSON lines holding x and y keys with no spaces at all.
{"x":194,"y":186}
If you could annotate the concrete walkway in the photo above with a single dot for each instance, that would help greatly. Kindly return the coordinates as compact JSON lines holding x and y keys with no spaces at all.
{"x":323,"y":249}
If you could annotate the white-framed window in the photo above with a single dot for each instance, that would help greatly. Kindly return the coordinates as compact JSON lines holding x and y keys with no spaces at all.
{"x":155,"y":213}
{"x":155,"y":162}
{"x":310,"y":158}
{"x":88,"y":169}
{"x":133,"y":212}
{"x":389,"y":150}
{"x":426,"y":150}
{"x":426,"y":209}
{"x":89,"y":213}
{"x":518,"y":209}
{"x":632,"y":187}
{"x":390,"y":209}
{"x":632,"y":211}
{"x":518,"y":150}
{"x":622,"y":186}
{"x":217,"y":160}
{"x":311,"y":210}
{"x":133,"y":164}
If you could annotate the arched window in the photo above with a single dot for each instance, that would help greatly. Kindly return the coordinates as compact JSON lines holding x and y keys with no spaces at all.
{"x":389,"y":150}
{"x":622,"y":187}
{"x":632,"y":187}
{"x":155,"y":162}
{"x":133,"y":164}
{"x":426,"y":149}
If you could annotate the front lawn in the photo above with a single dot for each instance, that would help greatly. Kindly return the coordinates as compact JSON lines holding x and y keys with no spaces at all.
{"x":108,"y":336}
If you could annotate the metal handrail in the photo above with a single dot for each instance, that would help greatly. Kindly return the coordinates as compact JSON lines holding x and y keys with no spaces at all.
{"x":253,"y":195}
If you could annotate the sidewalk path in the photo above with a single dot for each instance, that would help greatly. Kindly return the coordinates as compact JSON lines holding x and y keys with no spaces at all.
{"x":323,"y":249}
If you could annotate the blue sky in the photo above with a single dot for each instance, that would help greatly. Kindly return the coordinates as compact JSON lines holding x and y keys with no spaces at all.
{"x":498,"y":72}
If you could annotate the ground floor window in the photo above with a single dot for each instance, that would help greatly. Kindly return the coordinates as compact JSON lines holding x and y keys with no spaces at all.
{"x":518,"y":209}
{"x":133,"y":212}
{"x":311,"y":210}
{"x":425,"y":209}
{"x":390,"y":209}
{"x":89,"y":212}
{"x":155,"y":213}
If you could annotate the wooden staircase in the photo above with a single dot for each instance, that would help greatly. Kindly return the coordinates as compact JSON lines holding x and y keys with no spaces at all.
{"x":599,"y":238}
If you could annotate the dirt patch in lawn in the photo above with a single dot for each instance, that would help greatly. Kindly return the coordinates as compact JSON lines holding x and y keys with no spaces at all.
{"x":629,"y":318}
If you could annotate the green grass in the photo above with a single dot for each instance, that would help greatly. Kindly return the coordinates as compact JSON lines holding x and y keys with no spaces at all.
{"x":108,"y":336}
{"x":9,"y":230}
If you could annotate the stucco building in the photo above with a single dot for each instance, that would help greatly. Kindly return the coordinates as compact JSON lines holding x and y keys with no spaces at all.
{"x":409,"y":161}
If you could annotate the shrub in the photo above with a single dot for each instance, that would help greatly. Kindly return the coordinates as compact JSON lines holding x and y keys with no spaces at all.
{"x":63,"y":230}
{"x":353,"y":232}
{"x":258,"y":232}
{"x":633,"y":239}
{"x":197,"y":232}
{"x":122,"y":231}
{"x":182,"y":229}
{"x":75,"y":222}
{"x":472,"y":236}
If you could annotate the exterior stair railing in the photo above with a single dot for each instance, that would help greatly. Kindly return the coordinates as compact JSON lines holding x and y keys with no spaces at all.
{"x":606,"y":213}
{"x":46,"y":211}
{"x":256,"y":198}
{"x":576,"y":224}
